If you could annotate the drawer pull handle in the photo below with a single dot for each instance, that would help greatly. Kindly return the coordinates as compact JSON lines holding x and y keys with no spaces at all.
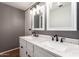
{"x":21,"y":46}
{"x":26,"y":52}
{"x":29,"y":56}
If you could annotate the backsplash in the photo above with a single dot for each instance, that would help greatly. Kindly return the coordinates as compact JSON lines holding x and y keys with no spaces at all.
{"x":68,"y":34}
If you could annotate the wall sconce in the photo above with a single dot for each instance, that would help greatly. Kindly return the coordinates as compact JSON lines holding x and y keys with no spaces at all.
{"x":38,"y":9}
{"x":31,"y":11}
{"x":35,"y":10}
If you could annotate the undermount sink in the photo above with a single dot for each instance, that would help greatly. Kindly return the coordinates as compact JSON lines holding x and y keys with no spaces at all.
{"x":58,"y":46}
{"x":40,"y":38}
{"x":62,"y":47}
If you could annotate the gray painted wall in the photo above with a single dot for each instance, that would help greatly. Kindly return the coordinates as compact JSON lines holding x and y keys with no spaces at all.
{"x":69,"y":34}
{"x":12,"y":22}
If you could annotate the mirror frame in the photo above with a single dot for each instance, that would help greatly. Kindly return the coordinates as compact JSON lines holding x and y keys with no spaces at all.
{"x":74,"y":19}
{"x":43,"y":18}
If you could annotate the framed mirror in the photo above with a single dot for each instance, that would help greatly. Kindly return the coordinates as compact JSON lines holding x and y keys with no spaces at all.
{"x":61,"y":16}
{"x":38,"y":17}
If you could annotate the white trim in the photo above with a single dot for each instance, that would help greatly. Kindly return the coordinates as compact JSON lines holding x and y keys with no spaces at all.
{"x":8,"y":50}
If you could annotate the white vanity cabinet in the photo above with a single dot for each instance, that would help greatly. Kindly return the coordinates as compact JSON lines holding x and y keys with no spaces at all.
{"x":26,"y":48}
{"x":29,"y":49}
{"x":37,"y":47}
{"x":40,"y":52}
{"x":22,"y":48}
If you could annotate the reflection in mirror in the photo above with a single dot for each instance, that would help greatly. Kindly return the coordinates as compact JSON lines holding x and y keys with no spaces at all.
{"x":61,"y":16}
{"x":38,"y":17}
{"x":60,"y":13}
{"x":36,"y":21}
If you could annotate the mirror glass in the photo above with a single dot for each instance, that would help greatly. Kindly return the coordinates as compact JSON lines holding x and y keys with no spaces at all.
{"x":60,"y":16}
{"x":38,"y":21}
{"x":38,"y":17}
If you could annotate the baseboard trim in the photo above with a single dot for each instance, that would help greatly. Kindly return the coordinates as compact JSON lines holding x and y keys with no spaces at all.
{"x":8,"y":50}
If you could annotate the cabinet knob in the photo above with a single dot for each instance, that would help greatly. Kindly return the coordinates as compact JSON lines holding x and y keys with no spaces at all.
{"x":62,"y":40}
{"x":26,"y":52}
{"x":29,"y":56}
{"x":21,"y":46}
{"x":30,"y":29}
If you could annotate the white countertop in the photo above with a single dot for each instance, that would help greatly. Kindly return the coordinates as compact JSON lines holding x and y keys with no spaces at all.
{"x":72,"y":51}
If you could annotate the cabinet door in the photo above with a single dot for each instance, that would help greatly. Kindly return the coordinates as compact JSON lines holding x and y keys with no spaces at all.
{"x":23,"y":48}
{"x":29,"y":49}
{"x":39,"y":52}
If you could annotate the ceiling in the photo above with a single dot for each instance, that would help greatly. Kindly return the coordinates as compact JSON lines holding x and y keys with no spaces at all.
{"x":20,"y":5}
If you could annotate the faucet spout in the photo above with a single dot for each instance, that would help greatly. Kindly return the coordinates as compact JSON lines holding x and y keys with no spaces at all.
{"x":56,"y":36}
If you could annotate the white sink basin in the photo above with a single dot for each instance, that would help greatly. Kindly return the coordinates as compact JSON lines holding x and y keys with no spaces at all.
{"x":47,"y":42}
{"x":39,"y":39}
{"x":57,"y":45}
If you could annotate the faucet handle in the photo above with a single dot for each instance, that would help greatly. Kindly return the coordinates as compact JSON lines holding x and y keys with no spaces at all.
{"x":52,"y":38}
{"x":62,"y":40}
{"x":55,"y":35}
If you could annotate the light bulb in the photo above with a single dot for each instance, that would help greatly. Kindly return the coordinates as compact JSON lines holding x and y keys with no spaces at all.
{"x":31,"y":11}
{"x":37,"y":9}
{"x":42,"y":8}
{"x":34,"y":11}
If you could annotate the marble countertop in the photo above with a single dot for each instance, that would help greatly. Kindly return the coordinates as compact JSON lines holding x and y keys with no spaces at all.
{"x":71,"y":51}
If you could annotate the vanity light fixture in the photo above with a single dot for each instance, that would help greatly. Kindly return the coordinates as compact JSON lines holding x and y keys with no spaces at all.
{"x":59,"y":4}
{"x":55,"y":4}
{"x":31,"y":11}
{"x":38,"y":8}
{"x":35,"y":10}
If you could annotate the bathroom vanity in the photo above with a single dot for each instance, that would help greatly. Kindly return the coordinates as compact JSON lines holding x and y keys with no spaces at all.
{"x":43,"y":46}
{"x":54,"y":16}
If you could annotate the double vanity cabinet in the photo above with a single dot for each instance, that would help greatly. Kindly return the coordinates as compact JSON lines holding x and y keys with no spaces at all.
{"x":30,"y":48}
{"x":43,"y":46}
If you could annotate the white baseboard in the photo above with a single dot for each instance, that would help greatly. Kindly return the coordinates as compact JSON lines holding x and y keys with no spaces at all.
{"x":8,"y":50}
